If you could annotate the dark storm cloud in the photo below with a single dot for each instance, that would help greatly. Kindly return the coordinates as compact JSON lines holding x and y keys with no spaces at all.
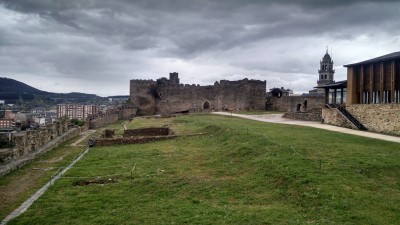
{"x":90,"y":39}
{"x":193,"y":27}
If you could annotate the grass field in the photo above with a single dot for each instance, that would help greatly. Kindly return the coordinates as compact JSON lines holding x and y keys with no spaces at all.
{"x":20,"y":184}
{"x":238,"y":172}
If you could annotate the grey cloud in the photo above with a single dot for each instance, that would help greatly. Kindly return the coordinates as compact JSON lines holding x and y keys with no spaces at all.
{"x":90,"y":39}
{"x":195,"y":28}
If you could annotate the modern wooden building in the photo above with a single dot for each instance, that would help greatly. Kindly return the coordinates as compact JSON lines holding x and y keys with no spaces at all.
{"x":370,"y":98}
{"x":374,"y":81}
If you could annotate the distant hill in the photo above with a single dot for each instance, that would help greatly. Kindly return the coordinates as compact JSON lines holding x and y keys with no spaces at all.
{"x":12,"y":91}
{"x":118,"y":96}
{"x":8,"y":85}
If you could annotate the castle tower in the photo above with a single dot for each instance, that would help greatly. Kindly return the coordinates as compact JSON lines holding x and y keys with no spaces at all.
{"x":142,"y":94}
{"x":326,"y":72}
{"x":173,"y":79}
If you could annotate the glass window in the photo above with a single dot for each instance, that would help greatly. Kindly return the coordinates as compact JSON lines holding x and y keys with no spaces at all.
{"x":331,"y":96}
{"x":376,"y":97}
{"x":338,"y":96}
{"x":344,"y":95}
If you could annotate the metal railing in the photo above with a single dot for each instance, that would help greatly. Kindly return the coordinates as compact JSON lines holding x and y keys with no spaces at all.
{"x":350,"y":117}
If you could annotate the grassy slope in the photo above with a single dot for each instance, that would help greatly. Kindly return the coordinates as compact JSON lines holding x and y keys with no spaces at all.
{"x":241,"y":172}
{"x":20,"y":184}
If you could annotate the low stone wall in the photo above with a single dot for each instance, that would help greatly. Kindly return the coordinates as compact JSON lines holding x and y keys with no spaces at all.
{"x":160,"y":131}
{"x":6,"y":155}
{"x":30,"y":141}
{"x":306,"y":116}
{"x":19,"y":161}
{"x":333,"y":116}
{"x":131,"y":140}
{"x":380,"y":118}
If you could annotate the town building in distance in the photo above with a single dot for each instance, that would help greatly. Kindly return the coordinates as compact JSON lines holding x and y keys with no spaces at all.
{"x":74,"y":111}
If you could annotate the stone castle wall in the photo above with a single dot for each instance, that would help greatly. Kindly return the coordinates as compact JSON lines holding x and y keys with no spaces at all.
{"x":142,"y":94}
{"x":291,"y":103}
{"x":381,"y":118}
{"x":127,"y":112}
{"x":112,"y":116}
{"x":31,"y":144}
{"x":99,"y":120}
{"x":165,"y":97}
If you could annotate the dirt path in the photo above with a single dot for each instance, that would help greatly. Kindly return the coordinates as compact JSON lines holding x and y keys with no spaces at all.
{"x":277,"y":118}
{"x":84,"y":136}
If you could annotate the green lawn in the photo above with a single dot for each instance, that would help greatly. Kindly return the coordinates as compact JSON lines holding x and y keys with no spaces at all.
{"x":20,"y":184}
{"x":239,"y":172}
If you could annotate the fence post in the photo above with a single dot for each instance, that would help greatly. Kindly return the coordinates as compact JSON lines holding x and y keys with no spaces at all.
{"x":320,"y":165}
{"x":134,"y":166}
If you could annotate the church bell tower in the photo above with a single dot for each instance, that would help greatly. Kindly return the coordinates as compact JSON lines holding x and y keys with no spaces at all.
{"x":326,"y":71}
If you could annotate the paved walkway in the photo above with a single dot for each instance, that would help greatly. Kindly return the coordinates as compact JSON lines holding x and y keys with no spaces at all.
{"x":22,"y":208}
{"x":277,"y":118}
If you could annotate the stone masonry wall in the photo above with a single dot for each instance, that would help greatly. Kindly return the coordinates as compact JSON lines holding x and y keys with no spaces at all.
{"x":102,"y":119}
{"x":112,"y":116}
{"x":290,"y":103}
{"x":160,"y":131}
{"x":333,"y":116}
{"x":6,"y":155}
{"x":31,"y":144}
{"x":165,"y":96}
{"x":127,"y":112}
{"x":381,"y":118}
{"x":130,"y":140}
{"x":226,"y":95}
{"x":142,"y":94}
{"x":305,"y":116}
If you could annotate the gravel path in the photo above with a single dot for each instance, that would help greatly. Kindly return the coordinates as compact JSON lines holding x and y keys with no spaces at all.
{"x":277,"y":118}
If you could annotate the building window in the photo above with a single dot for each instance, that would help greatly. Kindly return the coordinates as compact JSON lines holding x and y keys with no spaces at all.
{"x":396,"y":96}
{"x":365,"y":99}
{"x":344,"y":95}
{"x":386,"y":96}
{"x":375,"y":97}
{"x":331,"y":96}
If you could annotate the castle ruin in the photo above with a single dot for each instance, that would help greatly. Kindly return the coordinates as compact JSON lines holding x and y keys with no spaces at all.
{"x":166,"y":96}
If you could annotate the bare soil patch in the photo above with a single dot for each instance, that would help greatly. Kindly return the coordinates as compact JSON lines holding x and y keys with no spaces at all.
{"x":95,"y":181}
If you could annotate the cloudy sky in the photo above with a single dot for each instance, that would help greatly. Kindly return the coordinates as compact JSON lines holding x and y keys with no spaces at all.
{"x":98,"y":46}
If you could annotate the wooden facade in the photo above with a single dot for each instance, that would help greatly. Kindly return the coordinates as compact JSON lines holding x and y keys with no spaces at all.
{"x":374,"y":81}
